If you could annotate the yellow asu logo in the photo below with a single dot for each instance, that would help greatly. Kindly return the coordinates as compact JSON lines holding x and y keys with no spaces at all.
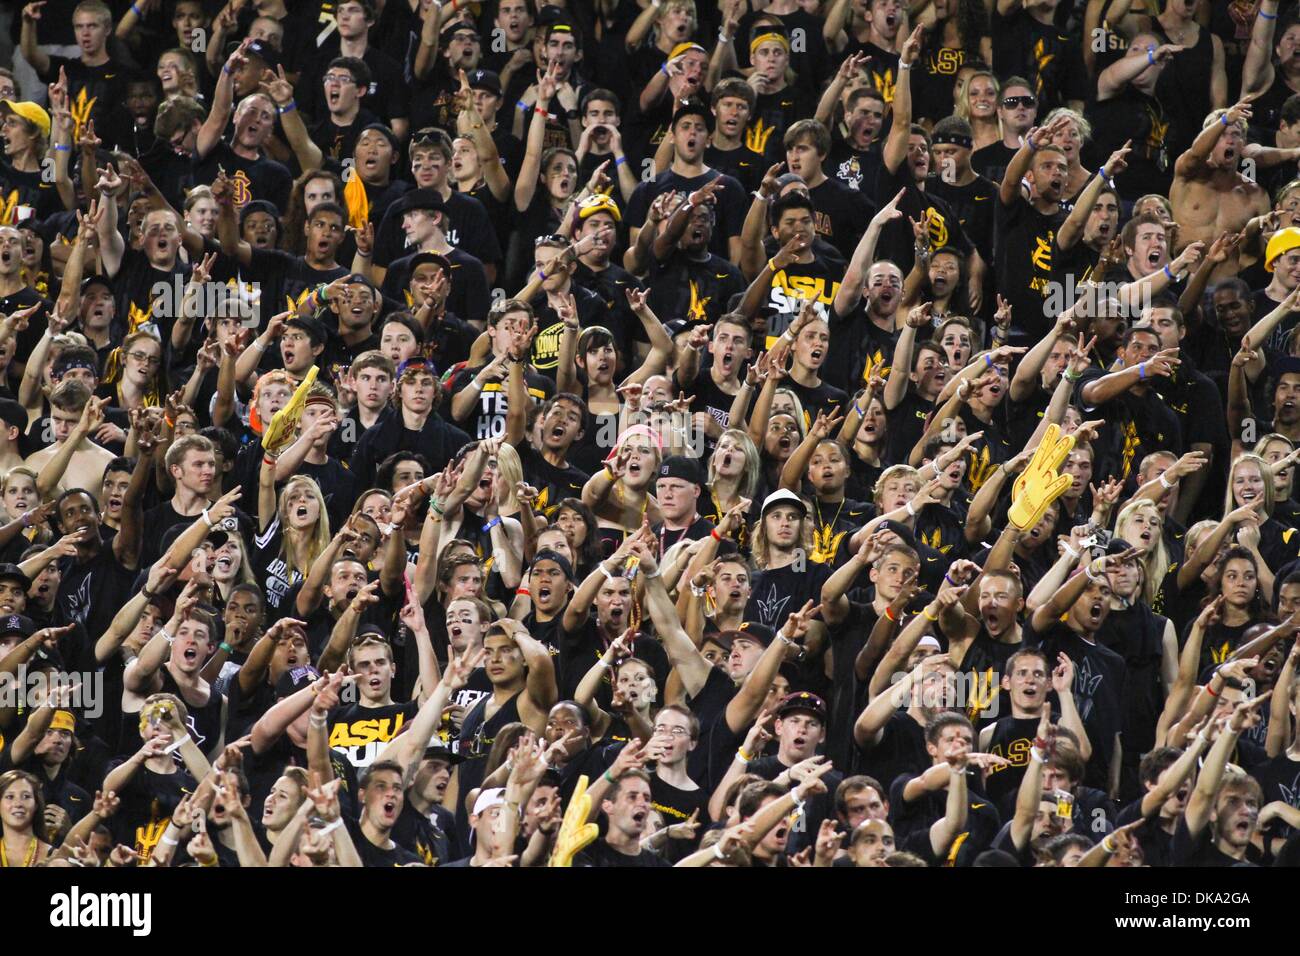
{"x":136,"y":317}
{"x":978,"y":468}
{"x":758,"y":134}
{"x":885,"y":81}
{"x":876,"y":364}
{"x":947,"y":61}
{"x":1219,"y":655}
{"x":1042,"y":254}
{"x":696,"y":311}
{"x":81,"y":107}
{"x":825,"y":543}
{"x":983,"y":692}
{"x":1043,"y":58}
{"x":359,"y":733}
{"x":1159,"y":130}
{"x":1017,"y":754}
{"x":243,"y":188}
{"x":1131,"y":444}
{"x":937,"y":226}
{"x":935,"y":540}
{"x":9,"y":209}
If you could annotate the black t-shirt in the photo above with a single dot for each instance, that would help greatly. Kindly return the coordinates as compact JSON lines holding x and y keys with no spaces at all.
{"x":469,"y":296}
{"x":1188,"y":850}
{"x":1136,"y":425}
{"x":841,"y":215}
{"x":900,"y":751}
{"x":731,"y":207}
{"x":697,"y":290}
{"x":601,"y":853}
{"x":1042,"y":53}
{"x":896,"y":240}
{"x":553,"y":483}
{"x":372,"y":855}
{"x":1026,"y":238}
{"x":488,"y":419}
{"x":147,"y":802}
{"x":992,"y":161}
{"x":94,"y":92}
{"x":976,"y":207}
{"x":261,"y":178}
{"x":358,"y":733}
{"x":285,"y":279}
{"x":817,"y":281}
{"x":912,"y":822}
{"x":92,"y":593}
{"x":777,"y":593}
{"x":1143,"y":119}
{"x":26,"y":195}
{"x":742,"y":163}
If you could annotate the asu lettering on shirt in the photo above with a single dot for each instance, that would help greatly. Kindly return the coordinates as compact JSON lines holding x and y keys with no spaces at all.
{"x":788,"y":294}
{"x":361,"y":740}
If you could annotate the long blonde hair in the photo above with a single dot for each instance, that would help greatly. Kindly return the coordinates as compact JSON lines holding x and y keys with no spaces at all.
{"x":1155,"y":563}
{"x":1230,"y":503}
{"x":753,"y":463}
{"x":758,"y":534}
{"x":318,"y":538}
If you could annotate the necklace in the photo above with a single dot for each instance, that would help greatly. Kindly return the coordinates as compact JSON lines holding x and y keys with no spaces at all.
{"x":28,"y":858}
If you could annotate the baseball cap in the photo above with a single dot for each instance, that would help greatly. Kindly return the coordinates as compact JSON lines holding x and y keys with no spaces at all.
{"x":748,"y":631}
{"x":422,"y":199}
{"x":437,"y":750}
{"x":485,"y":80}
{"x":424,"y":258}
{"x":1283,"y":241}
{"x":679,"y":466}
{"x":264,"y":52}
{"x":489,"y":798}
{"x":11,"y":572}
{"x":258,"y":205}
{"x":315,"y":330}
{"x":599,"y":202}
{"x":29,"y":111}
{"x":783,"y":496}
{"x":455,"y":26}
{"x":295,"y":679}
{"x":95,"y":279}
{"x":19,"y":624}
{"x":802,"y":701}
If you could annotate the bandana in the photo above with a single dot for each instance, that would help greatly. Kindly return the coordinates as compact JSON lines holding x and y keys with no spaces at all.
{"x":762,"y":38}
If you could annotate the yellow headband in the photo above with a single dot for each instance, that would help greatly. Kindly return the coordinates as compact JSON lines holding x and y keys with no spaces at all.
{"x":686,"y":47}
{"x":762,"y":38}
{"x":63,"y":720}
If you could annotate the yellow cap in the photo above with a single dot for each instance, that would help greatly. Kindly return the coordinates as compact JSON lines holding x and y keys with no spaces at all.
{"x":686,"y":47}
{"x":1283,"y":241}
{"x":28,"y":111}
{"x":599,"y":202}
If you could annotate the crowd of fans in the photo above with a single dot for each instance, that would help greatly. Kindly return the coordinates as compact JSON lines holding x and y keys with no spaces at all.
{"x":650,"y":432}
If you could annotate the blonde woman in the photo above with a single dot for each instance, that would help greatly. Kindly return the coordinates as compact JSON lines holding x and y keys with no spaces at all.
{"x":619,"y":493}
{"x":1070,"y":140}
{"x":733,"y":474}
{"x":1279,"y":451}
{"x":977,"y":104}
{"x":292,"y":533}
{"x":1140,"y":524}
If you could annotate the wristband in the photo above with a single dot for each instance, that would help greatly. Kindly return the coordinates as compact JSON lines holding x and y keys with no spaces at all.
{"x":890,"y":614}
{"x":608,"y":777}
{"x":1268,"y":16}
{"x":148,"y":595}
{"x":207,"y":519}
{"x":620,"y":161}
{"x":225,"y":68}
{"x":258,"y":344}
{"x":1151,"y":59}
{"x":1142,"y":370}
{"x":135,"y":8}
{"x":524,"y":592}
{"x":717,"y":851}
{"x":904,"y":66}
{"x":170,"y":841}
{"x":177,"y":745}
{"x":317,"y":720}
{"x":287,"y":107}
{"x":436,"y":506}
{"x":1071,"y":378}
{"x":1074,"y":555}
{"x":1166,"y":483}
{"x":798,"y":800}
{"x":27,"y":519}
{"x":699,"y":592}
{"x":771,"y":264}
{"x":862,"y":412}
{"x":62,"y":148}
{"x":1169,"y":274}
{"x":928,"y":616}
{"x":609,"y":575}
{"x":723,"y":38}
{"x":1109,"y":845}
{"x":603,"y":664}
{"x":610,"y":472}
{"x":542,"y":110}
{"x":663,"y":67}
{"x":223,"y":646}
{"x":475,"y":384}
{"x":523,"y":107}
{"x":165,"y":636}
{"x":988,"y":360}
{"x":652,"y":574}
{"x":1209,"y":689}
{"x":911,"y":510}
{"x":759,"y":196}
{"x":492,"y":524}
{"x":713,"y":533}
{"x":1223,"y":118}
{"x":1036,"y":755}
{"x":949,"y":580}
{"x":740,"y":752}
{"x":1030,"y":144}
{"x":541,"y":275}
{"x":331,"y":827}
{"x":268,"y":460}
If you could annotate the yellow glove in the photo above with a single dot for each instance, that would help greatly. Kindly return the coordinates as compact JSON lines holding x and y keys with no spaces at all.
{"x":283,"y":424}
{"x":574,"y":834}
{"x":1039,"y":484}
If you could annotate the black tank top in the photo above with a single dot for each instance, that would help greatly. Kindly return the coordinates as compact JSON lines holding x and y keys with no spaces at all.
{"x":1184,"y":88}
{"x":477,"y":734}
{"x":1012,"y":738}
{"x":204,"y":722}
{"x":1137,"y":635}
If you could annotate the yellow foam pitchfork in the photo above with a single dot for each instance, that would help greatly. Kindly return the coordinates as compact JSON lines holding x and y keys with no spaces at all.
{"x":284,"y":422}
{"x":574,"y":833}
{"x":1040,"y":484}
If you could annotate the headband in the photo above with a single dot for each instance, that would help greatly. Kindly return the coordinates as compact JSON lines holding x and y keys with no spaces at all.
{"x":686,"y":47}
{"x":952,"y":139}
{"x":764,"y":37}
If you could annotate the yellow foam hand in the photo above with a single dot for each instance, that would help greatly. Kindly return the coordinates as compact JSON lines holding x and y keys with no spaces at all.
{"x":575,"y":833}
{"x":283,"y":424}
{"x":1040,"y":484}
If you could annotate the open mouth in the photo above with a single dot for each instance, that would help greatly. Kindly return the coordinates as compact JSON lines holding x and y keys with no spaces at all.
{"x":735,"y":594}
{"x":1095,"y":612}
{"x":1248,"y":496}
{"x":301,"y":513}
{"x":639,"y":816}
{"x":390,"y":808}
{"x":816,"y":355}
{"x":616,"y":613}
{"x":784,"y":443}
{"x":190,"y":655}
{"x":224,"y":563}
{"x":544,"y":593}
{"x":1153,"y":258}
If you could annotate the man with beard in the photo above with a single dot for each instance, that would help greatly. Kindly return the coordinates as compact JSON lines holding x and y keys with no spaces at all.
{"x":191,"y":461}
{"x":1209,"y":195}
{"x":1026,"y":222}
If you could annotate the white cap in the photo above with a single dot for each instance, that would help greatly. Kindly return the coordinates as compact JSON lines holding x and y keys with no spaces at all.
{"x":783,"y":496}
{"x":927,"y":641}
{"x":488,"y":799}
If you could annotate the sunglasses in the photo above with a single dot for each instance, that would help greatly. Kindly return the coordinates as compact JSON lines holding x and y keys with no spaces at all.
{"x":1013,"y":102}
{"x":550,"y":239}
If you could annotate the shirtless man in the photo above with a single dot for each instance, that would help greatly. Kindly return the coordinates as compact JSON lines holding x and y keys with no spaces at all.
{"x":1210,"y":197}
{"x":73,"y":460}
